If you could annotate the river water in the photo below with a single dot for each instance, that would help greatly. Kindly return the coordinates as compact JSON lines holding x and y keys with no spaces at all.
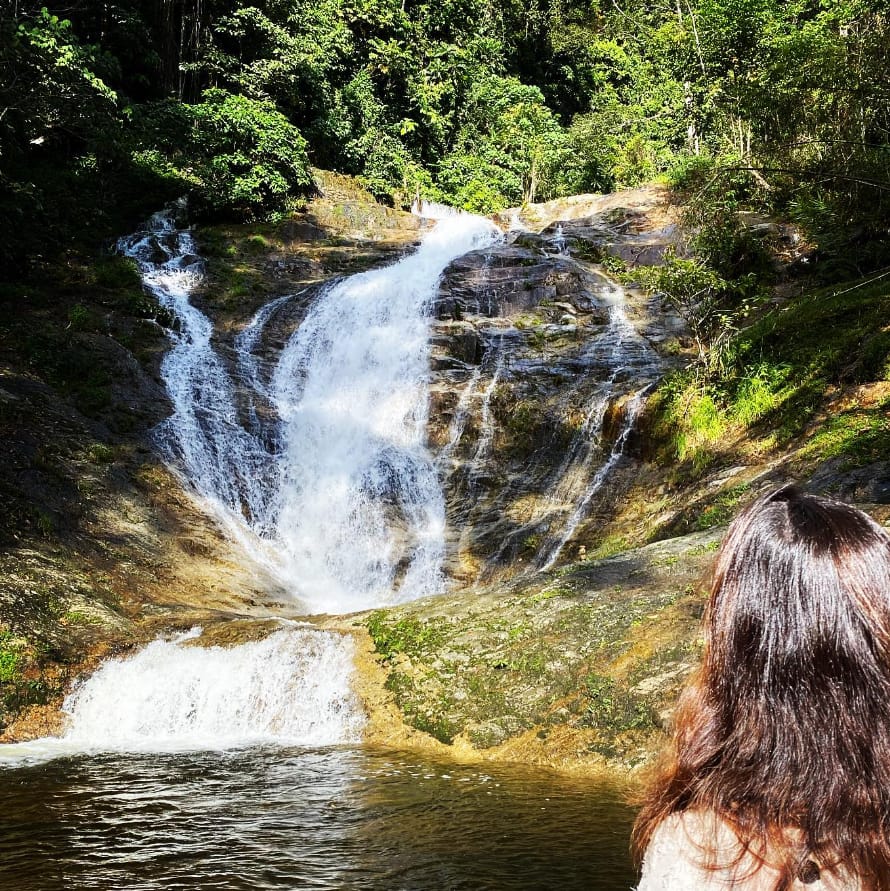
{"x":288,"y":818}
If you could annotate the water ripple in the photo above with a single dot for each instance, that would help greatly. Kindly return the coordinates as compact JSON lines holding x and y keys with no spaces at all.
{"x":337,"y":818}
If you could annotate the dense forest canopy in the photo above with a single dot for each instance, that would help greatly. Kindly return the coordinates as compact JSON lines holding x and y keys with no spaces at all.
{"x":111,"y":108}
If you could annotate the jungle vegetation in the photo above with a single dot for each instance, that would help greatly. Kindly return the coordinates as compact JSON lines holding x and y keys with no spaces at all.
{"x":109,"y":108}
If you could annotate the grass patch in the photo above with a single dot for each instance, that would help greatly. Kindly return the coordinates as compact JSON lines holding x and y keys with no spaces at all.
{"x":257,"y":244}
{"x":859,"y":436}
{"x":609,"y":546}
{"x":774,"y":381}
{"x":99,"y":453}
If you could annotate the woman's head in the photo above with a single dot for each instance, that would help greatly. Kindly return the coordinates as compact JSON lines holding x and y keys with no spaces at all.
{"x":799,"y":613}
{"x":787,"y":726}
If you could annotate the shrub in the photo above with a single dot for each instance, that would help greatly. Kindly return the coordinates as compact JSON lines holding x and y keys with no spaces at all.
{"x":238,"y":157}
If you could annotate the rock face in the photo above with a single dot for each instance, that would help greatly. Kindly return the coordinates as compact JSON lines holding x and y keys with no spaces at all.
{"x":541,"y":367}
{"x":578,"y":670}
{"x":541,"y":364}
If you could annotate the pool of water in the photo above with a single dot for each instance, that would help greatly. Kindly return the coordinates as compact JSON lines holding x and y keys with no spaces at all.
{"x":336,"y":818}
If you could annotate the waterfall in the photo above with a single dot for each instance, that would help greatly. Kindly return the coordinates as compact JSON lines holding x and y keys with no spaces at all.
{"x":559,"y":241}
{"x":319,"y":466}
{"x":224,"y":462}
{"x":459,"y":419}
{"x":291,"y":688}
{"x":362,"y":515}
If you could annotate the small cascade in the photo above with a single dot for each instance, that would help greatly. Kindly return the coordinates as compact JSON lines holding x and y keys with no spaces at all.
{"x":614,"y":367}
{"x":247,"y":341}
{"x":632,"y":413}
{"x":629,"y":362}
{"x":430,"y":210}
{"x":458,"y":423}
{"x":486,"y":427}
{"x":204,"y":439}
{"x":291,"y":688}
{"x":559,"y":241}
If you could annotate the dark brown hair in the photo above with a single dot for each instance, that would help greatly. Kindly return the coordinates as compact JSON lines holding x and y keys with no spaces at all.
{"x":785,"y":732}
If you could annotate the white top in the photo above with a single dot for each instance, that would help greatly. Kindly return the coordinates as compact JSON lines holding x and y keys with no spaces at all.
{"x":677,"y":858}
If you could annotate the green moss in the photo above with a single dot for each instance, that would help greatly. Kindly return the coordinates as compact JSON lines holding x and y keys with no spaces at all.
{"x":99,"y":453}
{"x":78,"y":617}
{"x":437,"y":726}
{"x":10,"y":659}
{"x":612,"y":707}
{"x":428,"y":716}
{"x":549,"y":594}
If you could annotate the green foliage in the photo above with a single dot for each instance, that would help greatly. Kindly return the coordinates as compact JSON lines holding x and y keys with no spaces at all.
{"x":80,"y":318}
{"x":116,"y":273}
{"x":408,"y":635}
{"x":711,"y":305}
{"x":239,"y":157}
{"x":475,"y":102}
{"x":774,"y":377}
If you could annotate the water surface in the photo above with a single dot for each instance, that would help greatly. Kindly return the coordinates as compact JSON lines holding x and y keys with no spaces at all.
{"x":335,"y":818}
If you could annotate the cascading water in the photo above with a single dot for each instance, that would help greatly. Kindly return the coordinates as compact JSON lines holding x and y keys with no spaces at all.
{"x":290,"y":688}
{"x":632,"y":367}
{"x":225,"y":463}
{"x":607,"y":372}
{"x":333,"y":489}
{"x":486,"y":434}
{"x":361,"y":501}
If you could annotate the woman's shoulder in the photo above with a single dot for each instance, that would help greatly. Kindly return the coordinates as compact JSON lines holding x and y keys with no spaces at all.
{"x":682,"y":849}
{"x":699,"y":851}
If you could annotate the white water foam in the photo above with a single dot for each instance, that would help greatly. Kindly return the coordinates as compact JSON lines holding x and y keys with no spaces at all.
{"x":291,"y":688}
{"x":362,"y":512}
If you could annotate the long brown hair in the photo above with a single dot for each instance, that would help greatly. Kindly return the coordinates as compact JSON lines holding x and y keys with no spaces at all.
{"x":784,"y":733}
